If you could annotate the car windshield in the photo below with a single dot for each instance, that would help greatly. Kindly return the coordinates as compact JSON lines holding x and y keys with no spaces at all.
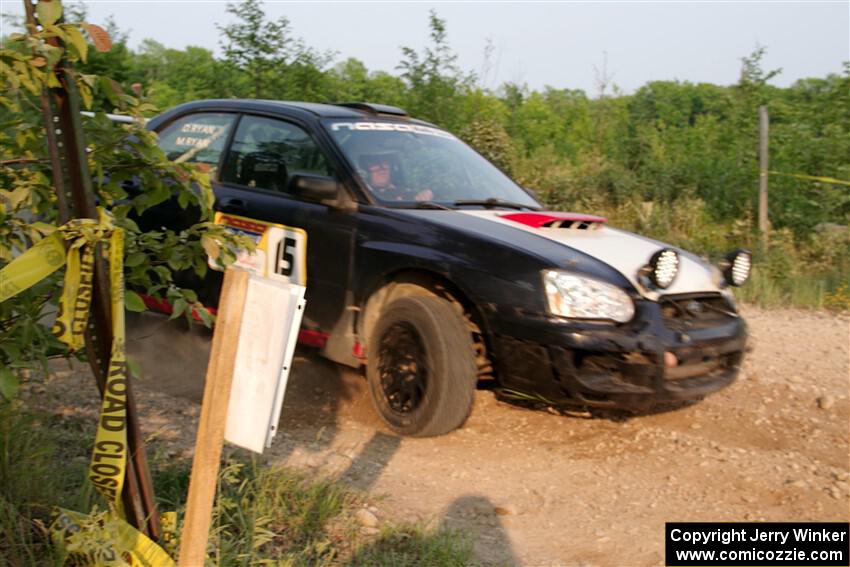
{"x":414,"y":165}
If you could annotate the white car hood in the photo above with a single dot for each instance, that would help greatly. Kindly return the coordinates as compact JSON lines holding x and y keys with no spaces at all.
{"x":624,"y":251}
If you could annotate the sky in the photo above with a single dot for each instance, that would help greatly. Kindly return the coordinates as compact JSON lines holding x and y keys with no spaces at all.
{"x":559,"y":44}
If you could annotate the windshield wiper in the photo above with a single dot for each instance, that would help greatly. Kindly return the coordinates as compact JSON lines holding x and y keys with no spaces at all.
{"x":430,"y":205}
{"x":493,"y":203}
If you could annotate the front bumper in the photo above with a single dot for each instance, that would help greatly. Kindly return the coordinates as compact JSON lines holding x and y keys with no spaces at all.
{"x":601,"y":365}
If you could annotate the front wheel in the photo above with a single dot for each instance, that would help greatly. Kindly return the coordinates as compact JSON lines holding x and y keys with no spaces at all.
{"x":421,"y":366}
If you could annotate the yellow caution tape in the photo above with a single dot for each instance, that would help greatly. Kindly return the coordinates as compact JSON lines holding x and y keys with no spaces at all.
{"x":830,"y":180}
{"x":41,"y":260}
{"x":168,"y":523}
{"x":109,"y":459}
{"x":82,"y":235}
{"x":105,"y":540}
{"x":106,"y":470}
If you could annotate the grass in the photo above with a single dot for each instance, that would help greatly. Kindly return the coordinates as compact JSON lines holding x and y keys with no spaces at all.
{"x":411,"y":545}
{"x":264,"y":512}
{"x":39,"y":469}
{"x":767,"y":291}
{"x":271,"y":514}
{"x":263,"y":515}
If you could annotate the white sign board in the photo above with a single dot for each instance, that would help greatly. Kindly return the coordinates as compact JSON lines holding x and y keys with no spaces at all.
{"x":270,"y":323}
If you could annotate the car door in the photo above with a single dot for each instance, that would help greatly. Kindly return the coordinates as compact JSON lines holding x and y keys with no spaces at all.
{"x":255,"y":181}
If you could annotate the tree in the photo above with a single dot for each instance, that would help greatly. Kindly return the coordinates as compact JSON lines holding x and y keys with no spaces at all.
{"x":272,"y":63}
{"x":173,"y":76}
{"x":348,"y":81}
{"x":114,"y":63}
{"x":116,"y":153}
{"x":752,"y":74}
{"x":489,"y":139}
{"x":433,"y":78}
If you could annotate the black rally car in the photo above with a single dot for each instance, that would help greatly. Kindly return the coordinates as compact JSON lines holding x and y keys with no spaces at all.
{"x":431,"y":267}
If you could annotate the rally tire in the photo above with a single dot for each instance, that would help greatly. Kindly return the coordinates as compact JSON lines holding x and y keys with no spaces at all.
{"x":421,"y":366}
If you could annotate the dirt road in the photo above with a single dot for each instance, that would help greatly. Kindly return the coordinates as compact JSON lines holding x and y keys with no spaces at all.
{"x":535,"y":488}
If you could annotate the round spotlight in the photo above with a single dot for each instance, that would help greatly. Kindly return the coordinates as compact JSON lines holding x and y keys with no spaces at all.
{"x":663,"y":268}
{"x":737,"y":267}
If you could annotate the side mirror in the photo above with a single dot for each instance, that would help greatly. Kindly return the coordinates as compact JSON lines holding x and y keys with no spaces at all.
{"x":314,"y":187}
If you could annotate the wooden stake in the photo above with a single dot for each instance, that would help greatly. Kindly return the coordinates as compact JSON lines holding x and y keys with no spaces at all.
{"x":764,"y":226}
{"x":208,"y":444}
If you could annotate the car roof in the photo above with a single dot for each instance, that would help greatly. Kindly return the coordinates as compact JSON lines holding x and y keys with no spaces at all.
{"x":290,"y":108}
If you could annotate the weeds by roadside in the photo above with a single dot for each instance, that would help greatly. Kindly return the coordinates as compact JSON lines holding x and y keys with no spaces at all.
{"x":412,"y":545}
{"x":38,"y":470}
{"x":263,"y":514}
{"x":270,"y":513}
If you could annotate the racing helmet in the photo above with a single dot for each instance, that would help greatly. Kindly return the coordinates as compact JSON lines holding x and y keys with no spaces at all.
{"x":366,"y":161}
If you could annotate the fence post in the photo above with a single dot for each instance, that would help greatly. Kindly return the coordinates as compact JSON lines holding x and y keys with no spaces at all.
{"x":211,"y":425}
{"x":76,"y":199}
{"x":763,"y":166}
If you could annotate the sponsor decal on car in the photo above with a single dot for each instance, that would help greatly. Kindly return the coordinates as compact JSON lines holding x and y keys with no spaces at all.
{"x":391,"y":127}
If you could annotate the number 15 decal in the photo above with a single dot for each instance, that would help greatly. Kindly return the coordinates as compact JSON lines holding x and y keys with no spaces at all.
{"x":286,"y":251}
{"x":281,"y":252}
{"x":285,"y":257}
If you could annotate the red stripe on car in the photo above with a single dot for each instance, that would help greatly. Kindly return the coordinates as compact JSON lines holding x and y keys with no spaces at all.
{"x":540,"y":220}
{"x":305,"y":336}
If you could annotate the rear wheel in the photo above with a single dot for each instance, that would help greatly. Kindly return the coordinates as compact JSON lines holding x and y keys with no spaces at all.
{"x":421,"y":366}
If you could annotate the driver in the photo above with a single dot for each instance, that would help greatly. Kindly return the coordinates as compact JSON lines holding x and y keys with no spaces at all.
{"x":379,"y":178}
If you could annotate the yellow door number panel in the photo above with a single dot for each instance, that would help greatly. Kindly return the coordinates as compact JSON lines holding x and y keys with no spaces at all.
{"x":281,"y":252}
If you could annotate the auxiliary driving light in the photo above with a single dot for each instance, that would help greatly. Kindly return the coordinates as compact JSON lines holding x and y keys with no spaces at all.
{"x":663,"y":268}
{"x":737,"y":267}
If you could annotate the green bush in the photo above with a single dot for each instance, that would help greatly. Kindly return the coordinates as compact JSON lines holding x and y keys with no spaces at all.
{"x":40,"y":469}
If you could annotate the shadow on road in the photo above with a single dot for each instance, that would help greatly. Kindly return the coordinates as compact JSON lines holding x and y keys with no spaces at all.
{"x":475,"y":515}
{"x":470,"y":520}
{"x":374,"y":456}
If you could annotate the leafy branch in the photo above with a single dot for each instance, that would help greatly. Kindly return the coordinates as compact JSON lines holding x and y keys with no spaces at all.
{"x":130,"y":176}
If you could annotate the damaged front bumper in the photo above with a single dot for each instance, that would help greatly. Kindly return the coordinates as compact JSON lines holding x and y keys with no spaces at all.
{"x":680,"y":348}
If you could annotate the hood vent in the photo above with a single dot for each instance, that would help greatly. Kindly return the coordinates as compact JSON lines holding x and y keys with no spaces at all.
{"x":571,"y":221}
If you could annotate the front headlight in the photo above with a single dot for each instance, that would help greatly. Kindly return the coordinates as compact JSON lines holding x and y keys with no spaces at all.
{"x":737,"y":266}
{"x":663,"y":268}
{"x":579,"y":297}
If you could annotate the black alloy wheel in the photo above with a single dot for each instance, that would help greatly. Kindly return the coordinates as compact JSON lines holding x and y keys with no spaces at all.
{"x":403,"y":368}
{"x":421,"y":366}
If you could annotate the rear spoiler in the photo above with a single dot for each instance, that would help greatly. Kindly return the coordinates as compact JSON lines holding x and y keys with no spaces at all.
{"x":114,"y":117}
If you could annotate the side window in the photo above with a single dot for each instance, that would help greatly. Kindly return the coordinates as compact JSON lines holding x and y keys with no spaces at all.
{"x":197,"y":138}
{"x":266,"y":153}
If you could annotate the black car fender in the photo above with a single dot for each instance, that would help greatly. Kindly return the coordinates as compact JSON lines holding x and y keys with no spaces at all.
{"x":492,"y":272}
